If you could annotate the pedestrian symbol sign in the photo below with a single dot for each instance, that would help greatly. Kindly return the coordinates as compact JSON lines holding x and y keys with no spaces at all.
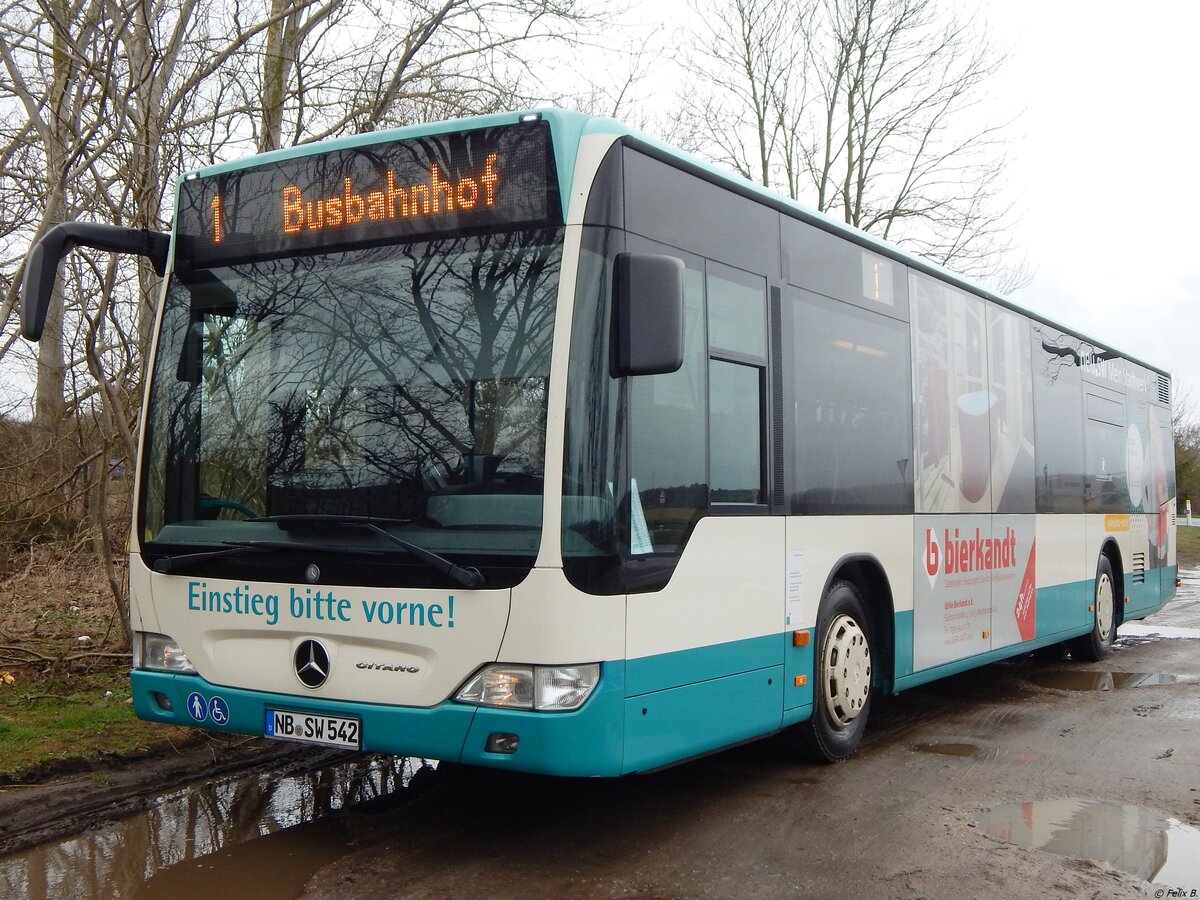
{"x":196,"y":707}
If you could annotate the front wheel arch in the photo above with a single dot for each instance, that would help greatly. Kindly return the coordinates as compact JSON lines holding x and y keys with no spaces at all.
{"x":866,"y":573}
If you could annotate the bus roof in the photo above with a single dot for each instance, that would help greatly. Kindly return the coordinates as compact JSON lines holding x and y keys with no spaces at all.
{"x":568,"y":128}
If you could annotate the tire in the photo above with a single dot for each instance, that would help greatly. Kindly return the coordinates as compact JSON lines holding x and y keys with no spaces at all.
{"x":1094,"y":646}
{"x":842,"y":686}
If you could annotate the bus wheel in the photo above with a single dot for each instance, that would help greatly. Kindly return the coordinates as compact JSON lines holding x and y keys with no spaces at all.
{"x":842,"y":691}
{"x":1095,"y":645}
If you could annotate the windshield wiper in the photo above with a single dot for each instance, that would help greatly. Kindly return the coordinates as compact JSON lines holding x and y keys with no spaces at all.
{"x":468,"y":576}
{"x":167,"y":564}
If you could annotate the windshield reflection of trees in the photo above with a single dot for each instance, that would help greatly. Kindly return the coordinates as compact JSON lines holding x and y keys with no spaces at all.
{"x":362,"y":382}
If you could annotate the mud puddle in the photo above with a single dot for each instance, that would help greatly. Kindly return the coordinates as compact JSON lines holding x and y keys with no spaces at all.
{"x":1132,"y":838}
{"x":965,"y":751}
{"x":265,"y":833}
{"x":1106,"y":681}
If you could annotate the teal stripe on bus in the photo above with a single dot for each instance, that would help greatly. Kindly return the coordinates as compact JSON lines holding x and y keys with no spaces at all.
{"x":904,"y":642}
{"x":667,"y":726}
{"x":1144,"y":596}
{"x":436,"y":732}
{"x":585,"y":742}
{"x":663,"y":671}
{"x":645,"y":713}
{"x":1063,"y":608}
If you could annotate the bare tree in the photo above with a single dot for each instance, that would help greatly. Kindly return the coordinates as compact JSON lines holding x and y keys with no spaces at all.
{"x":104,"y":102}
{"x":53,"y":58}
{"x":869,"y":109}
{"x":747,"y":88}
{"x":420,"y":60}
{"x":103,"y":87}
{"x":114,"y":96}
{"x":1187,"y":450}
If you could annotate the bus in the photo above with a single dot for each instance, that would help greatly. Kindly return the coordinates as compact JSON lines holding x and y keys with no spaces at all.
{"x":525,"y":441}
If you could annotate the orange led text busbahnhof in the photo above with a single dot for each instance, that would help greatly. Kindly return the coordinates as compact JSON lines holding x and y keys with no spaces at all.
{"x":392,"y":201}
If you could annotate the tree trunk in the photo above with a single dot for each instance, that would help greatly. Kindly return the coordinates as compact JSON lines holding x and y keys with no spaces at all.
{"x":49,"y":394}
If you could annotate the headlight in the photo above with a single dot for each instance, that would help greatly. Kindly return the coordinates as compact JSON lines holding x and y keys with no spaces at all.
{"x":500,"y":686}
{"x":544,"y":688}
{"x":564,"y":687}
{"x":160,"y":653}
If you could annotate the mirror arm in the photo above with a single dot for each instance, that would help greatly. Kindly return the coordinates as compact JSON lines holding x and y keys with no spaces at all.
{"x":41,"y":266}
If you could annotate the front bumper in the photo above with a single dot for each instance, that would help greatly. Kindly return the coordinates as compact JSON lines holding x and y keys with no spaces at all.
{"x":585,"y":742}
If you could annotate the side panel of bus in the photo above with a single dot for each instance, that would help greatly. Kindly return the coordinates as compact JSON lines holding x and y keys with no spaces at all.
{"x":967,"y":463}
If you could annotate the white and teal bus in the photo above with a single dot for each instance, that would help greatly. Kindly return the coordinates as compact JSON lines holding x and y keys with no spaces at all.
{"x":524,"y":441}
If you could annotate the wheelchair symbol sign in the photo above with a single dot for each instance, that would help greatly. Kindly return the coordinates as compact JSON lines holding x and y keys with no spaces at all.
{"x":218,"y":711}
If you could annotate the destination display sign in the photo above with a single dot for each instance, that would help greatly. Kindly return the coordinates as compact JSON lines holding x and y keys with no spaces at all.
{"x":496,"y":177}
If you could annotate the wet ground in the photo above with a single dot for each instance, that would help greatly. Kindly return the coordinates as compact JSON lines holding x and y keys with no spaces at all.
{"x":1032,"y":778}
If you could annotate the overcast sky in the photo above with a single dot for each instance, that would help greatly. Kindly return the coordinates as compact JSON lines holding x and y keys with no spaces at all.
{"x":1104,"y":168}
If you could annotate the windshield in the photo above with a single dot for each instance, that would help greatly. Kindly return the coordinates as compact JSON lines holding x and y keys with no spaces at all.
{"x":404,"y":383}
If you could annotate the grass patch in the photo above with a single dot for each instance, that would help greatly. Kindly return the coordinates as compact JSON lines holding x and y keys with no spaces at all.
{"x":1187,"y":548}
{"x":47,"y":719}
{"x":62,"y":649}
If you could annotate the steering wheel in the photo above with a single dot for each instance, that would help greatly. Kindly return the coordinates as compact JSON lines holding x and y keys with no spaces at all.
{"x":219,"y":503}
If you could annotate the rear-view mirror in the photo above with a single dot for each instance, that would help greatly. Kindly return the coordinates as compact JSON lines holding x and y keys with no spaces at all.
{"x":647,"y":314}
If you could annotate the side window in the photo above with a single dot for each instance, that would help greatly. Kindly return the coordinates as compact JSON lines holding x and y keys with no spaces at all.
{"x":1159,"y":477}
{"x":735,"y":430}
{"x":1010,"y":371}
{"x":1105,"y":489}
{"x":853,"y":410}
{"x":667,"y":458}
{"x":954,"y":408}
{"x":1058,"y":420}
{"x":737,"y":338}
{"x":594,"y":453}
{"x":737,"y":312}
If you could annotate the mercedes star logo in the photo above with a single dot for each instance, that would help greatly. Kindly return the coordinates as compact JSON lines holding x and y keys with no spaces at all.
{"x":312,"y":663}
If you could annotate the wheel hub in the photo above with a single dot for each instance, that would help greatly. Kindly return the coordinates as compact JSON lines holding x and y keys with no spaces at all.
{"x":846,"y":670}
{"x":1104,"y":607}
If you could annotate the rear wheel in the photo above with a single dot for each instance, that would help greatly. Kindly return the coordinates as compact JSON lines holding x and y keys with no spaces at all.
{"x":1094,"y":646}
{"x":842,"y":691}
